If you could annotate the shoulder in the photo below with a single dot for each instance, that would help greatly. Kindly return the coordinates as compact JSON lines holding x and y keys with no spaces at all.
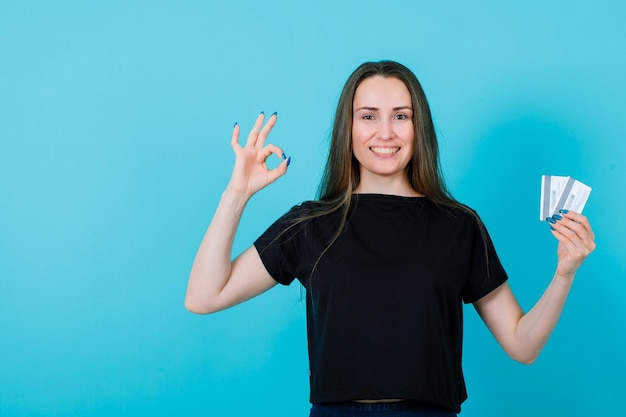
{"x":302,"y":214}
{"x":296,"y":225}
{"x":305,"y":209}
{"x":458,"y":212}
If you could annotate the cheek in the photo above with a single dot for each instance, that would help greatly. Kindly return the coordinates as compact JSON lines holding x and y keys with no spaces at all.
{"x":359,"y":141}
{"x":408,"y":131}
{"x":409,"y":136}
{"x":359,"y":134}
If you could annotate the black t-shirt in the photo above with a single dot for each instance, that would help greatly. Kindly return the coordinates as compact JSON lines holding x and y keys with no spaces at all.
{"x":384,"y":301}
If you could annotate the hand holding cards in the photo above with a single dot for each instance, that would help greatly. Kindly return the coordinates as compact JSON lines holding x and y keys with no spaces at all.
{"x":562,"y":193}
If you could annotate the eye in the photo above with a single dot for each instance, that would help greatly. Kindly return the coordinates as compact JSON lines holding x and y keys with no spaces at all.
{"x":368,"y":117}
{"x":401,"y":116}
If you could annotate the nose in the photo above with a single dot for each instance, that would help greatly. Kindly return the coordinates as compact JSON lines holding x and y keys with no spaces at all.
{"x":385,"y":129}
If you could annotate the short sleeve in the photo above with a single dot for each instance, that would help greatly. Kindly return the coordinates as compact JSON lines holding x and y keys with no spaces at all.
{"x":278,"y":247}
{"x":486,"y":272}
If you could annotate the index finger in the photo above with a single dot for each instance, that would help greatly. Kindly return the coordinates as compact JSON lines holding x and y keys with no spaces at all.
{"x":572,"y":215}
{"x":580,"y":219}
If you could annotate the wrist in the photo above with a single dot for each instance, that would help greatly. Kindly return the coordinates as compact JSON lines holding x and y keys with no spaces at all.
{"x":565,"y":277}
{"x":235,"y":198}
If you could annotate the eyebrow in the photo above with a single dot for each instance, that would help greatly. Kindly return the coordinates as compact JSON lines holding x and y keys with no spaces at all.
{"x":376,"y":108}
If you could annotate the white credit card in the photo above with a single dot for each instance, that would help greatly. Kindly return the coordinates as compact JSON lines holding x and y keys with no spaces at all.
{"x":562,"y":193}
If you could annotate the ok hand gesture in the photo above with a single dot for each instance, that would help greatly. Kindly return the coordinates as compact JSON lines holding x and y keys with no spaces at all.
{"x":250,"y":173}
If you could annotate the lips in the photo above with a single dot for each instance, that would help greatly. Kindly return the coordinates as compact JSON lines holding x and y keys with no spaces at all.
{"x":384,"y":151}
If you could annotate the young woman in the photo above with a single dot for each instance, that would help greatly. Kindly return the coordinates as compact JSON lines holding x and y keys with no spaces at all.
{"x":386,"y":255}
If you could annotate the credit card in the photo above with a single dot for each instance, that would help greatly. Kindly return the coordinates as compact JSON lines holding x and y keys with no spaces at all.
{"x":562,"y":193}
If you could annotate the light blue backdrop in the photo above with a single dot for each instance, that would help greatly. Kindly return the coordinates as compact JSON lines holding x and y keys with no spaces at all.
{"x":115,"y":121}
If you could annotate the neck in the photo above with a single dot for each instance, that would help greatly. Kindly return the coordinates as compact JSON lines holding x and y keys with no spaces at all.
{"x":399,"y":186}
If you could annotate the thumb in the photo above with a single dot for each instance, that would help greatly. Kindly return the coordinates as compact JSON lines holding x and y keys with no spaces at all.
{"x":279,"y":171}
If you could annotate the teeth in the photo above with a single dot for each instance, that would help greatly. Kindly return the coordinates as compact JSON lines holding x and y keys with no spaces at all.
{"x":386,"y":151}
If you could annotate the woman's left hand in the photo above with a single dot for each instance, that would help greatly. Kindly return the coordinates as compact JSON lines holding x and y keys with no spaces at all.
{"x":576,"y":241}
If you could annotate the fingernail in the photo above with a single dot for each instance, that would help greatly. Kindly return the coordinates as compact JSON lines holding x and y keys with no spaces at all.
{"x":262,"y":112}
{"x":552,"y":228}
{"x":550,"y":220}
{"x":283,"y":156}
{"x":288,"y":161}
{"x":563,"y":211}
{"x":235,"y":125}
{"x":275,"y":114}
{"x":557,"y":217}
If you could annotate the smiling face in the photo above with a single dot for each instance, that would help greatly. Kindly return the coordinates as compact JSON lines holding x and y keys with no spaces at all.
{"x":383,"y":134}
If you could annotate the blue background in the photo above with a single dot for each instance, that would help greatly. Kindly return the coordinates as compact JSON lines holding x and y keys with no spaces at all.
{"x":115,"y":122}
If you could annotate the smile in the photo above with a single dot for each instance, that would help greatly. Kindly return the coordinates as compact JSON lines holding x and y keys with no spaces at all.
{"x":384,"y":151}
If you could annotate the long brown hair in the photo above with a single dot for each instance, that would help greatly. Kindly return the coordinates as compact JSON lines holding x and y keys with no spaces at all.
{"x":342,"y":172}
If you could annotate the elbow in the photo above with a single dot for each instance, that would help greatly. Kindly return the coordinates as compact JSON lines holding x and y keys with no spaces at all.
{"x":197,"y":307}
{"x":526,"y":361}
{"x":525,"y":358}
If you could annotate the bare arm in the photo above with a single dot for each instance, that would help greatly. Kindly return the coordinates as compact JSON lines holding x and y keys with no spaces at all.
{"x":521,"y":335}
{"x":216,"y":283}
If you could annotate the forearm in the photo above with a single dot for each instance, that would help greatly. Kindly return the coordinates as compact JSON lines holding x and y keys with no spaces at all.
{"x":535,"y":327}
{"x":523,"y":335}
{"x":212,"y":265}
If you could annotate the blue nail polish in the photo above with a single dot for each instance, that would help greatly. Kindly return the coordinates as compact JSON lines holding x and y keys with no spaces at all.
{"x":235,"y":125}
{"x":563,"y":211}
{"x":288,"y":161}
{"x":275,"y":114}
{"x":557,"y":217}
{"x":550,"y":220}
{"x":552,"y":228}
{"x":262,"y":112}
{"x":283,"y":156}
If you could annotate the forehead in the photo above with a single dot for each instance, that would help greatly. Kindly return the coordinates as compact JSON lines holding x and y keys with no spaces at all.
{"x":379,"y":91}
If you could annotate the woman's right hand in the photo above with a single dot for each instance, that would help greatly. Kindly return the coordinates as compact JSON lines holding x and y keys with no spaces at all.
{"x":250,"y":173}
{"x":216,"y":281}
